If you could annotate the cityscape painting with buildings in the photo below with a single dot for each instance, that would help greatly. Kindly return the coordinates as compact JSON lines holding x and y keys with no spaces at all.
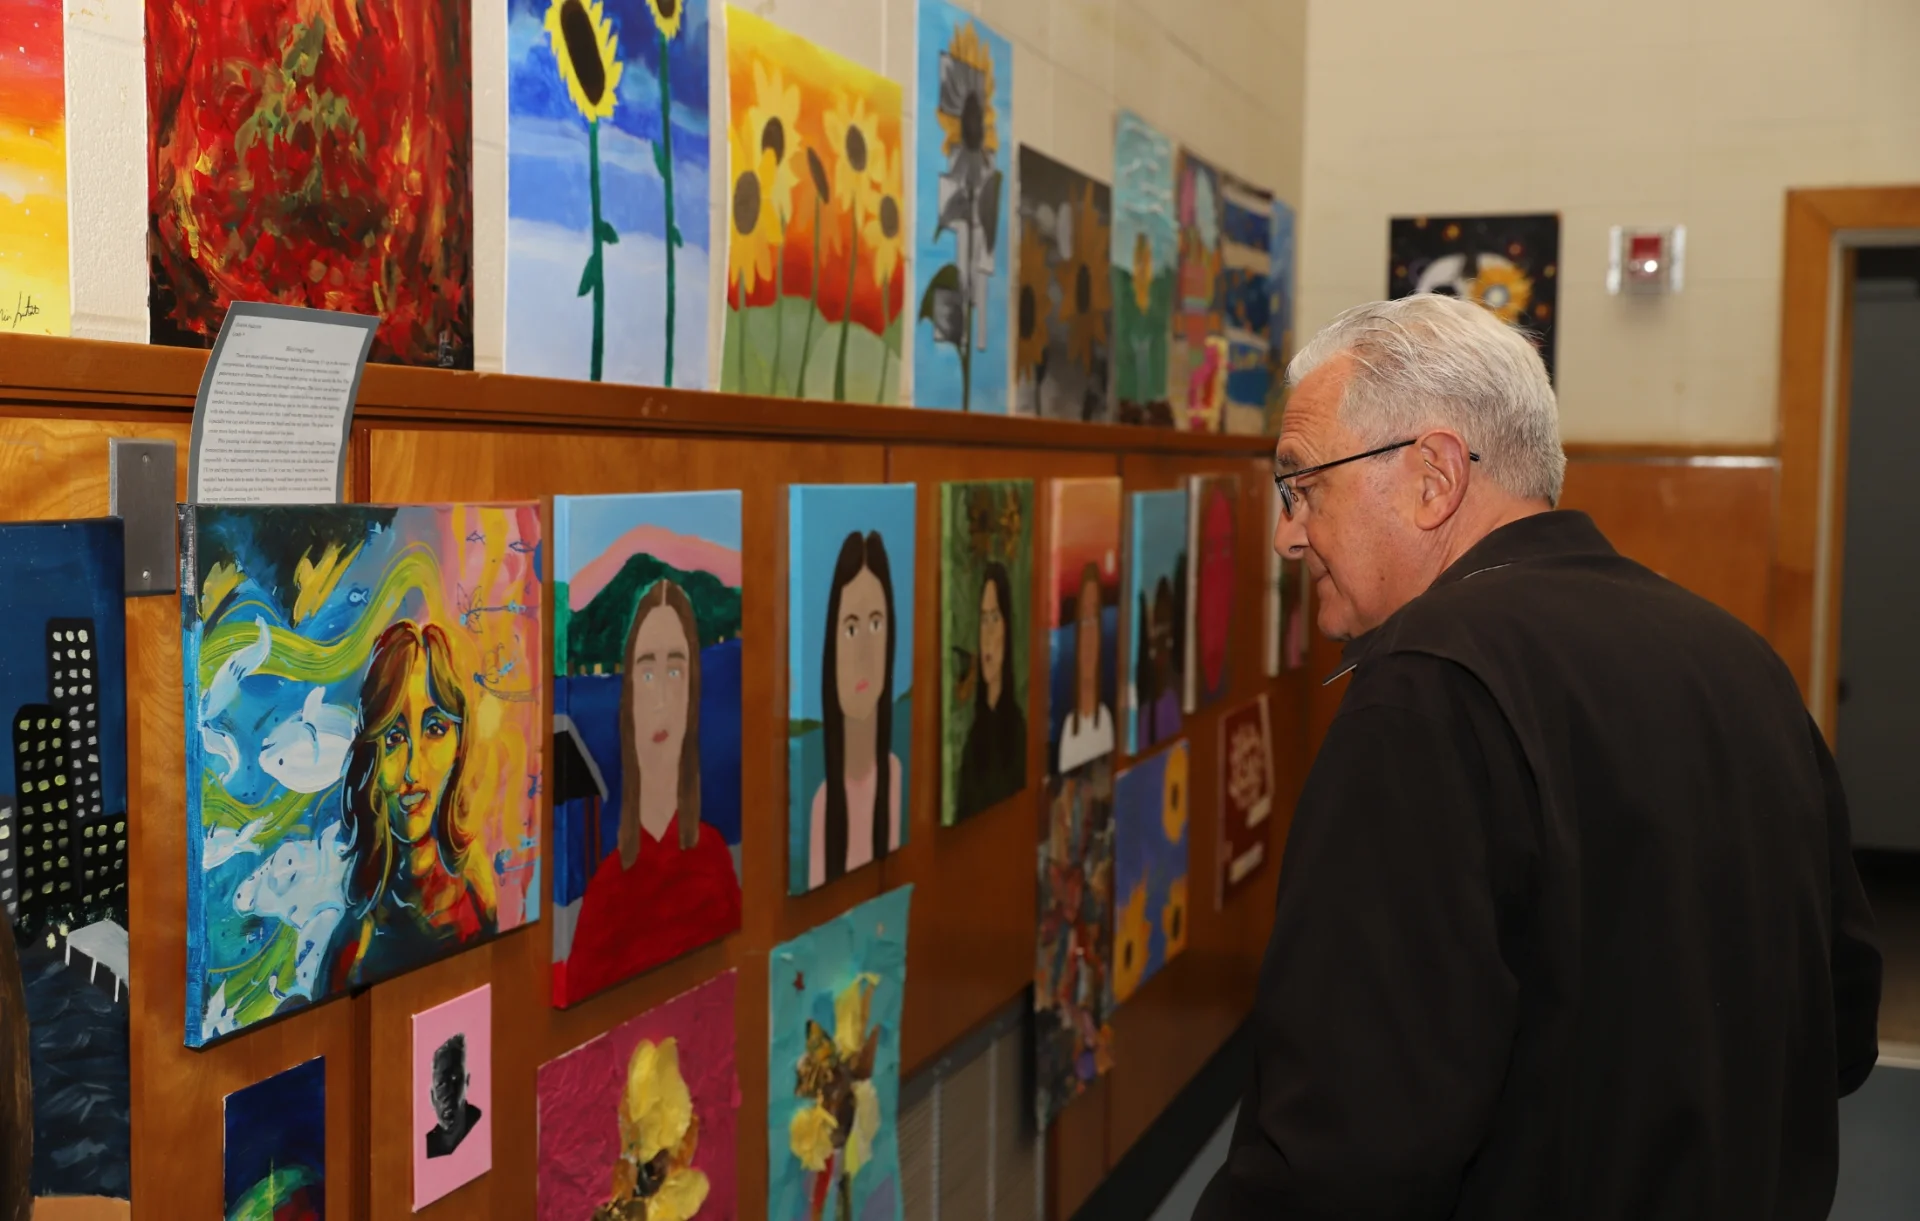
{"x":63,"y":842}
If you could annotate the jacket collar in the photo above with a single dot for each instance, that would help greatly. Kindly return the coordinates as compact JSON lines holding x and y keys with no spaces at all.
{"x":1559,"y":534}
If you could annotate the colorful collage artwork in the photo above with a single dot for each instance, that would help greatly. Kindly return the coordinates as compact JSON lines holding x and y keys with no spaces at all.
{"x":607,"y":191}
{"x":1156,"y":618}
{"x":639,"y":1123}
{"x":646,"y":776}
{"x":1197,"y":363}
{"x":1150,"y":814}
{"x":1246,"y":797}
{"x":34,"y":292}
{"x":275,"y":1156}
{"x":1083,"y":628}
{"x":963,"y":170}
{"x":1072,"y":976}
{"x":1145,"y":258}
{"x":1510,"y":264}
{"x":452,"y":1095}
{"x":1211,"y":551}
{"x":357,"y":677}
{"x":849,"y":676}
{"x":986,"y":579}
{"x":817,"y":248}
{"x":833,"y":1067}
{"x":64,"y":770}
{"x":1280,"y":316}
{"x":232,"y":215}
{"x":1246,"y":275}
{"x":1063,"y":297}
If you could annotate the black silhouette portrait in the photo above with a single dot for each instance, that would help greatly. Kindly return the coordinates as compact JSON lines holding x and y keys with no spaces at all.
{"x":450,"y":1080}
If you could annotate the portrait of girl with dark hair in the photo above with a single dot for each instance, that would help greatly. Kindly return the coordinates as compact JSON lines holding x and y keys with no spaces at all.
{"x":986,"y":582}
{"x":1156,"y":620}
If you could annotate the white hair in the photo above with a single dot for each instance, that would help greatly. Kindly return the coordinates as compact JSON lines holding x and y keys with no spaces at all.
{"x":1430,"y":361}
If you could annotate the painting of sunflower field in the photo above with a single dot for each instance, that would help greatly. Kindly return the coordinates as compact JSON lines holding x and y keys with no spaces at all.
{"x":313,"y":153}
{"x":833,"y":1068}
{"x":1150,"y":807}
{"x":1510,"y":264}
{"x":1062,"y":297}
{"x":1197,"y":362}
{"x":965,"y":99}
{"x":607,"y":190}
{"x":1145,"y":257}
{"x":817,"y":270}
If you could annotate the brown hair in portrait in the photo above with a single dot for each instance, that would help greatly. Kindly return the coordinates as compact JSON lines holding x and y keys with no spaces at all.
{"x":383,"y":694}
{"x":857,"y":552}
{"x":668,"y":594}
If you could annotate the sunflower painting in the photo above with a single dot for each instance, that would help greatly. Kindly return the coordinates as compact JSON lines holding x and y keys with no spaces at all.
{"x":638,"y":1124}
{"x":1073,"y":963}
{"x":1195,"y":387}
{"x":963,"y":155}
{"x":1062,"y":295}
{"x":1146,"y":262}
{"x":833,"y":1069}
{"x":607,"y":192}
{"x":1510,"y":264}
{"x":1151,"y":803}
{"x":818,"y":266}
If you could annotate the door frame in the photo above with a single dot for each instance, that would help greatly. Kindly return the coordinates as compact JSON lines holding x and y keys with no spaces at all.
{"x":1824,"y":228}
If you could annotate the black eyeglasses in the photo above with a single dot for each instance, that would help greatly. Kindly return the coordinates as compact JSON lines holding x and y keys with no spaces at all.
{"x":1284,"y":482}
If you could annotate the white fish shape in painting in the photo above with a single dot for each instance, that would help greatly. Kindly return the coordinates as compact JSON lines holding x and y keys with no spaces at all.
{"x":223,"y":690}
{"x":307,"y":752}
{"x":225,"y":843}
{"x":303,"y":885}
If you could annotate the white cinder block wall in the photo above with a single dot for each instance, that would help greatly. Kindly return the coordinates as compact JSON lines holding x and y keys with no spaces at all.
{"x":1226,"y":77}
{"x":1700,"y":112}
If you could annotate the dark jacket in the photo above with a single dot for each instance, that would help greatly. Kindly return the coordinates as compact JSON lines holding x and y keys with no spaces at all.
{"x":1568,"y":926}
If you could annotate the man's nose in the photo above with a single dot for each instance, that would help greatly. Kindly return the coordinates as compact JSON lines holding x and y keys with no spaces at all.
{"x":1290,"y":535}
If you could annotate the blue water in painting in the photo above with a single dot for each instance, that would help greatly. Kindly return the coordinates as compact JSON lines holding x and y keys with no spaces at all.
{"x":593,"y":700}
{"x":274,"y":1124}
{"x":82,"y":1095}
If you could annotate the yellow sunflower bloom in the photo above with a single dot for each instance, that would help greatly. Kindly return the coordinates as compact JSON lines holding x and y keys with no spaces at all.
{"x":666,"y":15}
{"x":1173,"y":806}
{"x":589,"y":55}
{"x":850,"y":1013}
{"x":1033,"y":299}
{"x":1085,"y":293}
{"x":884,"y":234}
{"x":773,"y":121}
{"x":1131,"y":934}
{"x":810,"y":1135}
{"x":754,"y":232}
{"x":853,"y":136}
{"x":973,"y":123}
{"x":1502,"y":288}
{"x":866,"y":1126}
{"x":1173,"y":917}
{"x":654,"y":1178}
{"x":1142,"y":272}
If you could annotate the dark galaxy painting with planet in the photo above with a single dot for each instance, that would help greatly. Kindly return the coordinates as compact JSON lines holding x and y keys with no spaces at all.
{"x":1510,"y":264}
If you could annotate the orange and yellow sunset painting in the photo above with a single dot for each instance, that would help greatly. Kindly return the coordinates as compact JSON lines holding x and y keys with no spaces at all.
{"x":816,"y":222}
{"x":33,"y":169}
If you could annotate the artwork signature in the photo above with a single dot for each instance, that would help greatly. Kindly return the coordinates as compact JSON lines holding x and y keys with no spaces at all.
{"x":23,"y":309}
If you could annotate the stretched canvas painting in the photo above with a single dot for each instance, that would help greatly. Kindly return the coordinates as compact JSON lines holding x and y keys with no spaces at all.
{"x":1246,"y":292}
{"x":638,"y":1123}
{"x":452,"y":1095}
{"x":314,"y":154}
{"x":364,"y":745}
{"x":1145,"y":258}
{"x":1062,"y":298}
{"x":816,"y":241}
{"x":607,"y":190}
{"x":35,"y":298}
{"x":849,"y":676}
{"x":1510,"y":264}
{"x":1150,"y":801}
{"x":962,"y":164}
{"x":1210,"y":589}
{"x":833,"y":1067}
{"x":1280,"y":312}
{"x":64,"y":684}
{"x":1083,"y":606}
{"x":1072,"y":973}
{"x":1196,"y":376}
{"x":1246,"y":796}
{"x":986,"y":589}
{"x":646,"y":701}
{"x":275,"y":1157}
{"x":1156,"y":623}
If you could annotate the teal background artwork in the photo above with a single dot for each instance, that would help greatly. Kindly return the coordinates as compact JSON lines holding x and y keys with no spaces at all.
{"x":962,"y":173}
{"x":1145,"y":254}
{"x":1151,"y":801}
{"x":847,"y":529}
{"x":1156,"y":617}
{"x":833,"y":1066}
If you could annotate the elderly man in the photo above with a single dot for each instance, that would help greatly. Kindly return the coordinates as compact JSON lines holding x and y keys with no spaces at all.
{"x":1568,"y":925}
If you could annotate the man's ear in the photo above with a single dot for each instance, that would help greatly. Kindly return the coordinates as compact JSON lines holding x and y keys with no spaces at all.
{"x":1445,"y":468}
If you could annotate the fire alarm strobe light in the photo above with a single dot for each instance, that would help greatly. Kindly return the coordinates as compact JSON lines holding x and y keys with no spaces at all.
{"x":1645,"y":260}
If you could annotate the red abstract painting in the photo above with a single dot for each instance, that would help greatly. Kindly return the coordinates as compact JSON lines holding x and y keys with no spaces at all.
{"x":316,"y":153}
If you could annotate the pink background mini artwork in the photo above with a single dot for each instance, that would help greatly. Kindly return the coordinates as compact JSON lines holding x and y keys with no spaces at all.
{"x":582,"y":1141}
{"x":452,"y":1095}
